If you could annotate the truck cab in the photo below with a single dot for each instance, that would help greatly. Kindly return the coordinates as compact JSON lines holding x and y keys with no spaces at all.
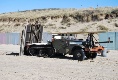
{"x":67,"y":44}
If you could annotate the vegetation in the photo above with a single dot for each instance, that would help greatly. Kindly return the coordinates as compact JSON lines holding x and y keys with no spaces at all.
{"x":62,"y":27}
{"x":116,"y":24}
{"x":102,"y":27}
{"x":17,"y":24}
{"x":84,"y":29}
{"x":82,"y":15}
{"x":51,"y":24}
{"x":63,"y":18}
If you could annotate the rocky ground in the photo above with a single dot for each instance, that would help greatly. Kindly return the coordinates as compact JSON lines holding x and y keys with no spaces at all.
{"x":14,"y":67}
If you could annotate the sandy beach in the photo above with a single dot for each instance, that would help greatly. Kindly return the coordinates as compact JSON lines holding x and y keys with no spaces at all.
{"x":14,"y":67}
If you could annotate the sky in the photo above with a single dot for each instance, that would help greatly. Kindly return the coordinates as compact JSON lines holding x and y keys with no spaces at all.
{"x":21,"y":5}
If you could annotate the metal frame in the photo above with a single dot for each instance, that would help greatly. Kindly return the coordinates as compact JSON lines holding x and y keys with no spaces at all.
{"x":31,"y":34}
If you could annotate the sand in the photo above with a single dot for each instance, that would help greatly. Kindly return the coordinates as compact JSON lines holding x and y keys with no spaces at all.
{"x":14,"y":67}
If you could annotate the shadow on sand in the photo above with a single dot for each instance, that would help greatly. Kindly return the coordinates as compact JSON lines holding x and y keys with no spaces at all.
{"x":14,"y":54}
{"x":62,"y":57}
{"x":54,"y":56}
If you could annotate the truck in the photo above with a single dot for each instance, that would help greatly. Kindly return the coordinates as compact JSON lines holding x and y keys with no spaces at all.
{"x":67,"y":43}
{"x":34,"y":43}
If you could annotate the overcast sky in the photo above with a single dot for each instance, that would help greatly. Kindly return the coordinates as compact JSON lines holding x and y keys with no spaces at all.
{"x":15,"y":5}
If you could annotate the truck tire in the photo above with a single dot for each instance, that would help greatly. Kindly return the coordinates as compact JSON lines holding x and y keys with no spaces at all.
{"x":31,"y":51}
{"x":88,"y":56}
{"x":51,"y":53}
{"x":79,"y":55}
{"x":93,"y":55}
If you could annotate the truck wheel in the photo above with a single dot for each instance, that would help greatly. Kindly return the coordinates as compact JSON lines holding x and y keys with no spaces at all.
{"x":50,"y":52}
{"x":31,"y":51}
{"x":79,"y":55}
{"x":93,"y":55}
{"x":88,"y":56}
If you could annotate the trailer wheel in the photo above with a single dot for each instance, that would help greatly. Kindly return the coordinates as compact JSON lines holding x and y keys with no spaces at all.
{"x":79,"y":55}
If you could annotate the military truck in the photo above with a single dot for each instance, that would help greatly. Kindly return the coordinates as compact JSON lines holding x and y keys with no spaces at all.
{"x":67,"y":43}
{"x":35,"y":43}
